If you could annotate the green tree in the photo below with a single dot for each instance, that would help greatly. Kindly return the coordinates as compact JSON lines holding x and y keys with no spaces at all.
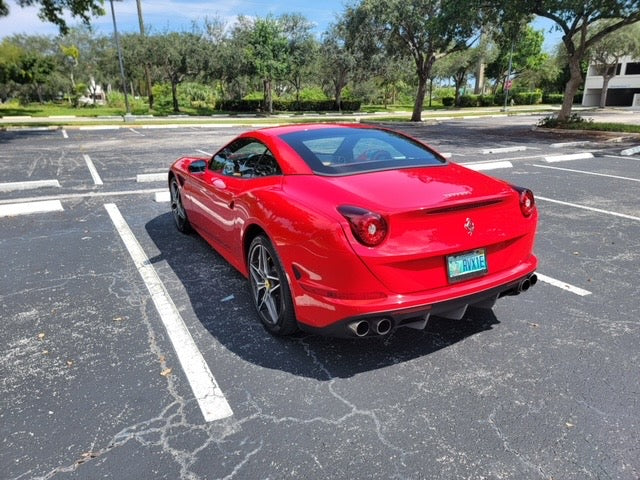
{"x":425,"y":30}
{"x":34,"y":71}
{"x":177,"y":56}
{"x":302,"y":50}
{"x":54,"y":10}
{"x":37,"y":66}
{"x":337,"y":61}
{"x":10,"y":57}
{"x":267,"y":50}
{"x":522,"y":46}
{"x":575,"y":19}
{"x":456,"y":66}
{"x":71,"y":55}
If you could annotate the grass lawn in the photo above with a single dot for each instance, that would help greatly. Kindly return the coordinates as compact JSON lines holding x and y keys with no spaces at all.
{"x":390,"y":113}
{"x":601,"y":127}
{"x":52,"y":110}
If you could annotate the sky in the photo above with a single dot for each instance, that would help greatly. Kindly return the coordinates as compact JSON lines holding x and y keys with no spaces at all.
{"x":174,"y":15}
{"x":178,"y":15}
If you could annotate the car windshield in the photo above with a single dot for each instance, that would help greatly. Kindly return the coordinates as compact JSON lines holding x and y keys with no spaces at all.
{"x":344,"y":151}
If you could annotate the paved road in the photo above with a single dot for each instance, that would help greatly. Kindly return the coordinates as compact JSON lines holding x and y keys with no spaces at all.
{"x":545,"y":387}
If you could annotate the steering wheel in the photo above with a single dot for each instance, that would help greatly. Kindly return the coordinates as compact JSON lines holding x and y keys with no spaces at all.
{"x":375,"y":155}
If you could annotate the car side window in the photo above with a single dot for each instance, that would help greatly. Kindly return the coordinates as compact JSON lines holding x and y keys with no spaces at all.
{"x":245,"y":158}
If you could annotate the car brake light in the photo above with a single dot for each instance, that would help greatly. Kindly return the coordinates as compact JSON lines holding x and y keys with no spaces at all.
{"x":368,"y":228}
{"x":527,"y":201}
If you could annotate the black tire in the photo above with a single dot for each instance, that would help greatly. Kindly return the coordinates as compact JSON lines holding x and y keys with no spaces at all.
{"x":270,"y":289}
{"x":177,"y":209}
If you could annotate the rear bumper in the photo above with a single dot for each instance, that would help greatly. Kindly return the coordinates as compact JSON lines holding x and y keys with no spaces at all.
{"x":382,"y":322}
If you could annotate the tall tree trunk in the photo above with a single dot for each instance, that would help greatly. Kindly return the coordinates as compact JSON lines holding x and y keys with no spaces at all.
{"x":147,"y":74}
{"x":38,"y":92}
{"x":423,"y":64}
{"x":338,"y":85}
{"x":571,"y":88}
{"x":478,"y":88}
{"x":605,"y":89}
{"x":416,"y":116}
{"x":174,"y":94}
{"x":268,"y":98}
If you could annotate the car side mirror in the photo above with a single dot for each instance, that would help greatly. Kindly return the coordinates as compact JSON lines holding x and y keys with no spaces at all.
{"x":199,"y":166}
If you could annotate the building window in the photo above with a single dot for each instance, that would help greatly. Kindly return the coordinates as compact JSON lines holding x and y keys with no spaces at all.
{"x":599,"y":70}
{"x":633,"y":68}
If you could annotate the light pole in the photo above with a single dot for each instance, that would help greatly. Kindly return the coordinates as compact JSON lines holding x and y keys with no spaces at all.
{"x":147,"y":73}
{"x":124,"y":79}
{"x":507,"y":84}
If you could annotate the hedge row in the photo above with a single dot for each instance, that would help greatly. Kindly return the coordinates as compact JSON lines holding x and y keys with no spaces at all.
{"x":288,"y":105}
{"x":518,"y":98}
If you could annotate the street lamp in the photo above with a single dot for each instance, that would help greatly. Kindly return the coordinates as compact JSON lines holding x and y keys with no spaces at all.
{"x":508,"y":83}
{"x":124,"y":80}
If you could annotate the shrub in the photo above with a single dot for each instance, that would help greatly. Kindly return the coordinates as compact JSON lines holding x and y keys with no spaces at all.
{"x":527,"y":98}
{"x":487,"y":100}
{"x":574,"y":120}
{"x":466,"y":101}
{"x":281,"y":105}
{"x":552,"y":98}
{"x":312,"y":93}
{"x":162,"y":98}
{"x":448,"y":101}
{"x":138,"y":105}
{"x":577,"y":98}
{"x":196,"y":95}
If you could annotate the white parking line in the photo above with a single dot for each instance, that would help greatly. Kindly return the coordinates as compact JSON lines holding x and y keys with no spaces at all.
{"x":31,"y":185}
{"x":623,"y":158}
{"x":135,"y":131}
{"x":27,"y":208}
{"x":151,"y":177}
{"x":588,"y":173}
{"x":592,"y":209}
{"x":161,"y":197}
{"x":569,"y":144}
{"x":205,"y":153}
{"x":64,"y":133}
{"x":630,"y":151}
{"x":483,"y":166}
{"x":528,"y":157}
{"x":92,"y":170}
{"x":71,"y":196}
{"x":563,"y":285}
{"x":99,"y":127}
{"x":566,"y":158}
{"x":212,"y":402}
{"x":487,"y":151}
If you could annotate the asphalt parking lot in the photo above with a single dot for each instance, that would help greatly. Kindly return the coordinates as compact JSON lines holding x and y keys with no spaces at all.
{"x":95,"y":282}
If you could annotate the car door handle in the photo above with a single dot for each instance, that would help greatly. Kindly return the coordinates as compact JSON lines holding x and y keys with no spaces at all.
{"x":218,"y":183}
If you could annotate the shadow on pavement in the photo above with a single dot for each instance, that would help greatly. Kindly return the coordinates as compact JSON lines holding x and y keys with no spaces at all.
{"x":219,"y":297}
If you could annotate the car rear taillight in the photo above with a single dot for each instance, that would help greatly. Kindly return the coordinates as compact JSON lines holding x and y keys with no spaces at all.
{"x":527,"y":201}
{"x":368,"y":227}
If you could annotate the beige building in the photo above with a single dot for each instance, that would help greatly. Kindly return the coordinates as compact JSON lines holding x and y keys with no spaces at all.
{"x":624,"y":87}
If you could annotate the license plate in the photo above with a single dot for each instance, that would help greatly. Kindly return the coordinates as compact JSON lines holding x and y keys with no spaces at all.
{"x":467,"y":265}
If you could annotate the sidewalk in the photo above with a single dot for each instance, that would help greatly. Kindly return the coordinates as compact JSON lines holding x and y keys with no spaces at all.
{"x":619,"y":115}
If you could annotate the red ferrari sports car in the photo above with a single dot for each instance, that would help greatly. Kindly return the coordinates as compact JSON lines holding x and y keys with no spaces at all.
{"x":352,"y":230}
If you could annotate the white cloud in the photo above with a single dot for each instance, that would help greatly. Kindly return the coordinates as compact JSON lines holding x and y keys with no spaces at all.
{"x":167,"y":15}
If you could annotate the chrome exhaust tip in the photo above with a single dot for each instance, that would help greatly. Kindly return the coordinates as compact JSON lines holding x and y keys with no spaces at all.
{"x":383,"y":326}
{"x":360,"y":328}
